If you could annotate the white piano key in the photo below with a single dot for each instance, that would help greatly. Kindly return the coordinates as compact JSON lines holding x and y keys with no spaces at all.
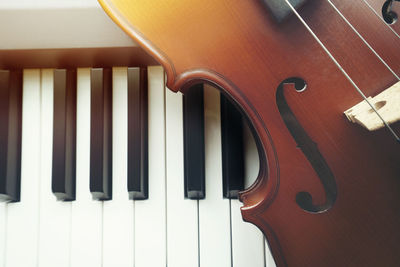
{"x":251,"y":168}
{"x":269,"y":260}
{"x":55,"y":216}
{"x":182,"y":214}
{"x":118,"y":229}
{"x":214,"y":218}
{"x":150,"y":214}
{"x":87,"y":216}
{"x":3,"y":232}
{"x":251,"y":158}
{"x":23,"y":217}
{"x":244,"y":233}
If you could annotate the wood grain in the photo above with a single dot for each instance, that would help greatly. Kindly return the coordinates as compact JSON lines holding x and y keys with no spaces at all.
{"x":238,"y":46}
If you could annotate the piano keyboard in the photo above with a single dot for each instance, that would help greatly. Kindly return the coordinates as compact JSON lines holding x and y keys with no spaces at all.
{"x":167,"y":211}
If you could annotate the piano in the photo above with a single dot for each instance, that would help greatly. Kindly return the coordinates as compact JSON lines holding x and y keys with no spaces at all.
{"x":102,"y":165}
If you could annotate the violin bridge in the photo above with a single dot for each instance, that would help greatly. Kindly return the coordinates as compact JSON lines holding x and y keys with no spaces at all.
{"x":387,"y":103}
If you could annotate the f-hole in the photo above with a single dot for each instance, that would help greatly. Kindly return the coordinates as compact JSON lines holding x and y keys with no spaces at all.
{"x":309,"y":149}
{"x":388,"y":14}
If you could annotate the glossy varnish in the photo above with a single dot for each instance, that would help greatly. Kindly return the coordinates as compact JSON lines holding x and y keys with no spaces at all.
{"x":238,"y":46}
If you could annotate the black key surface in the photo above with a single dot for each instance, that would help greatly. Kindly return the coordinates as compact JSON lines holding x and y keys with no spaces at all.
{"x":137,"y":134}
{"x":193,"y":134}
{"x":101,"y":134}
{"x":232,"y":149}
{"x":64,"y":135}
{"x":10,"y":135}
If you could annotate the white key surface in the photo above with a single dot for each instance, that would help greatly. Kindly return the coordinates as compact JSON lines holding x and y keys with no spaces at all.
{"x":3,"y":233}
{"x":243,"y":233}
{"x":118,"y":229}
{"x":269,"y":260}
{"x":164,"y":230}
{"x":150,"y":214}
{"x":214,"y":218}
{"x":87,"y":216}
{"x":23,"y":216}
{"x":182,"y":214}
{"x":252,"y":166}
{"x":54,"y":216}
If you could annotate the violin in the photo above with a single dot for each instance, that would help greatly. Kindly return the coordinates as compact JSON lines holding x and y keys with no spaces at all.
{"x":328,"y":191}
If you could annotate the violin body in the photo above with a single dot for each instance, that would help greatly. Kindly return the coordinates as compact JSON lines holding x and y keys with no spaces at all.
{"x":328,"y":191}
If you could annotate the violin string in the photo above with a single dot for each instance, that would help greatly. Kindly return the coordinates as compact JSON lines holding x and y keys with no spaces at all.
{"x":369,"y":46}
{"x":362,"y":38}
{"x":342,"y":70}
{"x":381,"y":18}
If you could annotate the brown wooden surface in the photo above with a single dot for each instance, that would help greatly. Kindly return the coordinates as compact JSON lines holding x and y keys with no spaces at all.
{"x":75,"y":57}
{"x":237,"y":46}
{"x":377,"y":6}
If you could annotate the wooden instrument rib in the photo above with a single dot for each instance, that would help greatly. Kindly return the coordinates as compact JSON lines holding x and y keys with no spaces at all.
{"x":239,"y":46}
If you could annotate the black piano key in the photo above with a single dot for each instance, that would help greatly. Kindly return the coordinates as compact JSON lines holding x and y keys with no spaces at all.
{"x":64,"y":135}
{"x":10,"y":135}
{"x":232,"y":149}
{"x":137,"y":134}
{"x":101,"y":134}
{"x":193,"y":134}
